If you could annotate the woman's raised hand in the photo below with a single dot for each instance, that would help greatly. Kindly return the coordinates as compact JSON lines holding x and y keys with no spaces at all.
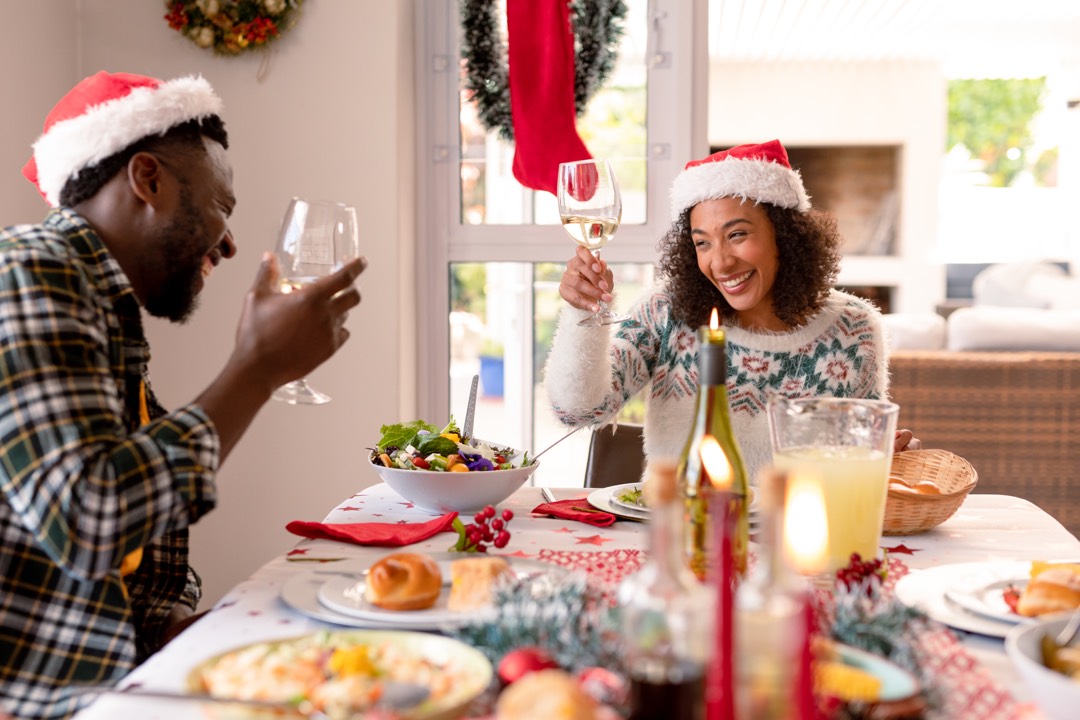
{"x":586,"y":281}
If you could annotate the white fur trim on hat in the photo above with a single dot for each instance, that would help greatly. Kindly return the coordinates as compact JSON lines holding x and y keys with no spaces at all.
{"x":103,"y":130}
{"x":750,"y":179}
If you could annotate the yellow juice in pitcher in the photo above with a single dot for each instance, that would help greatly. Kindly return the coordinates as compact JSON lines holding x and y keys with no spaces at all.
{"x":854,"y":483}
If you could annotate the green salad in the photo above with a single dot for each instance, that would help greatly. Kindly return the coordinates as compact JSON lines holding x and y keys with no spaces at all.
{"x":419,"y":445}
{"x":633,"y":496}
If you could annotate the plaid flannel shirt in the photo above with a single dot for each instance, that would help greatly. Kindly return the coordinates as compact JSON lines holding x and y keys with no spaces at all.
{"x":84,"y":485}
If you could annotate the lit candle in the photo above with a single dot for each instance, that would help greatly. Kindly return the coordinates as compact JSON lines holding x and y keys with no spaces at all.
{"x":720,"y":687}
{"x":806,"y":527}
{"x":806,"y":545}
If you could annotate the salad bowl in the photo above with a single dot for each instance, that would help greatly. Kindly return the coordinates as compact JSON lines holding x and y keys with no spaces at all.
{"x":440,"y":471}
{"x":466,"y":492}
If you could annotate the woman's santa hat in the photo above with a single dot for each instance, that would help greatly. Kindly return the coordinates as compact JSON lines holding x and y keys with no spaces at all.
{"x":106,"y":113}
{"x":760,"y":172}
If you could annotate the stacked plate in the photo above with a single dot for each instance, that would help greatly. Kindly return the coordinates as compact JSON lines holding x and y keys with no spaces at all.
{"x":337,"y":596}
{"x":968,"y":596}
{"x":618,"y":501}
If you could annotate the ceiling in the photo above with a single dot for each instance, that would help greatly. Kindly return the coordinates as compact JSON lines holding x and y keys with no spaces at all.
{"x":969,"y":37}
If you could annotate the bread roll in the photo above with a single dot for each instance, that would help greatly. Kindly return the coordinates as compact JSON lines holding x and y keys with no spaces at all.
{"x":1055,"y":589}
{"x":404,"y":581}
{"x":545,"y":695}
{"x":472,"y":581}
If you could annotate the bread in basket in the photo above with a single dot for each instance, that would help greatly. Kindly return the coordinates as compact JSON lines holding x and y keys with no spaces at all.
{"x":909,"y":511}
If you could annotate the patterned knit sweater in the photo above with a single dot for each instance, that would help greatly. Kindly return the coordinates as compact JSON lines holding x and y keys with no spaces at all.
{"x":591,"y":374}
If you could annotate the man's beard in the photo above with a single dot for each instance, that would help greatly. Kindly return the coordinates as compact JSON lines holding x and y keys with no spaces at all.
{"x":180,"y":261}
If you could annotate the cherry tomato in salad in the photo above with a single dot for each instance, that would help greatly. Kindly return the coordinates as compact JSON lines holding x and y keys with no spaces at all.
{"x":421,"y":463}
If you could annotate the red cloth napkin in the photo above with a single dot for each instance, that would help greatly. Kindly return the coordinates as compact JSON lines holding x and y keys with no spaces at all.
{"x":578,"y":509}
{"x":374,"y":533}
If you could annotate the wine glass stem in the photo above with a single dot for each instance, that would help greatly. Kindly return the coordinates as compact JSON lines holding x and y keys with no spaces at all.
{"x":600,"y":303}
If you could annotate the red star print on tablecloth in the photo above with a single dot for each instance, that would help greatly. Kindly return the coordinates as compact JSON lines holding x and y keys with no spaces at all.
{"x":297,"y":551}
{"x":519,"y":554}
{"x":563,"y":529}
{"x":407,"y":504}
{"x":593,"y":540}
{"x":901,"y":549}
{"x":350,"y":507}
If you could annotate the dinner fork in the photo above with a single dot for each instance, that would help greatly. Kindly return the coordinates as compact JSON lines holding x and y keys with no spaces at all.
{"x":1069,"y":631}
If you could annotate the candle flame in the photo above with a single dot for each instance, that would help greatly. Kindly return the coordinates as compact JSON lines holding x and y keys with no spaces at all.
{"x":720,"y":472}
{"x":714,"y":320}
{"x":806,"y":529}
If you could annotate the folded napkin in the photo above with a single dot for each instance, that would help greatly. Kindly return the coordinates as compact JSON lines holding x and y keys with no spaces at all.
{"x":578,"y":509}
{"x":374,"y":533}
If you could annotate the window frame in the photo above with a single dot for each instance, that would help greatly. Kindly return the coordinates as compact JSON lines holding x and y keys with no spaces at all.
{"x":676,"y":131}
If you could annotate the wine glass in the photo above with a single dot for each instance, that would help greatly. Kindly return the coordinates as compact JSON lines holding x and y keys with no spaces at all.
{"x":316,"y":239}
{"x":591,"y":209}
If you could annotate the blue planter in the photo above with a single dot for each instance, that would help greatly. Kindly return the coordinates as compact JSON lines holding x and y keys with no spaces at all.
{"x":491,"y":375}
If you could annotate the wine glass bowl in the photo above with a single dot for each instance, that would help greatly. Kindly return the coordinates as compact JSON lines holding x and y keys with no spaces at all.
{"x":590,"y":207}
{"x":316,"y":239}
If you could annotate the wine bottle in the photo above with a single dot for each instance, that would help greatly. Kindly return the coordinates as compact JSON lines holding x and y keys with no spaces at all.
{"x":771,"y":609}
{"x":712,"y":417}
{"x":665,"y":614}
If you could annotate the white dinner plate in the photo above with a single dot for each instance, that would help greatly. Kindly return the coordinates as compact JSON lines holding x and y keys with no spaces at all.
{"x":301,"y":593}
{"x":344,"y":595}
{"x":927,"y":590}
{"x":606,"y":499}
{"x":983,"y":592}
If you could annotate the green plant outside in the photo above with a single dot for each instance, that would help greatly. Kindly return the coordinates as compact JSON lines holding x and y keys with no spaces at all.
{"x":990,"y":117}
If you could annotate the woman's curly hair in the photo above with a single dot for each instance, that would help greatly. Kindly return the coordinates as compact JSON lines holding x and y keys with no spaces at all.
{"x":809,"y":247}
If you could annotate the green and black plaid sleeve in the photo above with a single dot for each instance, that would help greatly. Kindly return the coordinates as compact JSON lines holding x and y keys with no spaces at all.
{"x":80,"y":489}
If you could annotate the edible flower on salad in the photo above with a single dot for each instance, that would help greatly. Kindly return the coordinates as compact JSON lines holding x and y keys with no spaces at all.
{"x":419,"y":445}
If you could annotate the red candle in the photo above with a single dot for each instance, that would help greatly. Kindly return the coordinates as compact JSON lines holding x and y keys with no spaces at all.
{"x":720,"y":688}
{"x":804,"y":687}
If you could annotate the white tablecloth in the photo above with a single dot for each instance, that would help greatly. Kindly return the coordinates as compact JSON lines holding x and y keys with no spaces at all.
{"x":987,"y":527}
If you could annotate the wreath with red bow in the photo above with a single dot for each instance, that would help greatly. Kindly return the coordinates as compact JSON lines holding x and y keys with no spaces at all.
{"x":230,"y":27}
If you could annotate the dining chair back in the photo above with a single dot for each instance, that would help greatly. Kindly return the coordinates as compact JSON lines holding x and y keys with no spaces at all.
{"x":616,"y":455}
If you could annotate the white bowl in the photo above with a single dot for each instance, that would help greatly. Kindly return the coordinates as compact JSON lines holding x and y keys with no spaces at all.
{"x":466,"y":492}
{"x":1057,"y":695}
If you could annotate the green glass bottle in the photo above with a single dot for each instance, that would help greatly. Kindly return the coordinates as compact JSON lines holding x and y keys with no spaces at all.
{"x":712,"y":417}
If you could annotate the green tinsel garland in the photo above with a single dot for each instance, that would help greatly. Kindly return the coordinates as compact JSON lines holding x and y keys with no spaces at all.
{"x":597,"y":28}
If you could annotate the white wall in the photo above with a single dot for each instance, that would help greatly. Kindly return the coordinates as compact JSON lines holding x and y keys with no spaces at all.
{"x":807,"y":103}
{"x":332,"y":119}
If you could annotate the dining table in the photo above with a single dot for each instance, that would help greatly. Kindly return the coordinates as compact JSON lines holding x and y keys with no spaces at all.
{"x":986,"y":528}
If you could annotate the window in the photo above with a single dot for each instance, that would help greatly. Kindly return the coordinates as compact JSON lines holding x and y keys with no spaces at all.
{"x":491,"y":253}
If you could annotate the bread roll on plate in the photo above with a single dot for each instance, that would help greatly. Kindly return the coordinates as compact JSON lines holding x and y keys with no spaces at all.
{"x":1051,"y":589}
{"x":403,"y":581}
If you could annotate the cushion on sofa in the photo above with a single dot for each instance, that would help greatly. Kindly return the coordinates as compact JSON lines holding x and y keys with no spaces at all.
{"x":1013,"y":328}
{"x":1015,"y":284}
{"x":914,"y":331}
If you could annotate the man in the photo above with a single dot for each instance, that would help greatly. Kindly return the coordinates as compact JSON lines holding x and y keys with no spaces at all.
{"x":99,"y":482}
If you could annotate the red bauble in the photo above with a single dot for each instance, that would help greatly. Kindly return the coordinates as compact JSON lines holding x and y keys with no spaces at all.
{"x":522,"y":661}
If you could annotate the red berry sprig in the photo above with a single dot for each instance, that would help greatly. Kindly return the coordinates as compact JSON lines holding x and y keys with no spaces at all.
{"x":858,"y":570}
{"x":485,"y":528}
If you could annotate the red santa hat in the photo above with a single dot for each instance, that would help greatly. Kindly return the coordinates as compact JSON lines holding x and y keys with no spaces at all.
{"x":106,"y":113}
{"x":759,"y":172}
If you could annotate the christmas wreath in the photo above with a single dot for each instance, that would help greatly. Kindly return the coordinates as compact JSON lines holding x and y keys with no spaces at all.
{"x":597,"y":26}
{"x":231,"y":26}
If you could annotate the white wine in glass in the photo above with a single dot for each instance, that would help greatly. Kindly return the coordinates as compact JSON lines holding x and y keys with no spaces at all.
{"x":591,"y":209}
{"x":316,"y":239}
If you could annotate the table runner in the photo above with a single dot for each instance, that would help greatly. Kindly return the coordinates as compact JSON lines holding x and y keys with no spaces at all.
{"x":965,"y":688}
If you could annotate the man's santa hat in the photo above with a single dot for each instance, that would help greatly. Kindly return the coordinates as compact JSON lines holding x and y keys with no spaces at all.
{"x":106,"y":113}
{"x":761,"y":173}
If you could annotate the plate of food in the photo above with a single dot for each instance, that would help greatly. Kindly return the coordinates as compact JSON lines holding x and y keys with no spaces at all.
{"x":628,"y":501}
{"x":854,"y":675}
{"x":421,"y":591}
{"x":344,"y":673}
{"x":605,"y":499}
{"x":991,"y":590}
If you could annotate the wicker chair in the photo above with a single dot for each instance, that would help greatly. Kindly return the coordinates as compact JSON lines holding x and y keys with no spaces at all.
{"x":1015,"y":416}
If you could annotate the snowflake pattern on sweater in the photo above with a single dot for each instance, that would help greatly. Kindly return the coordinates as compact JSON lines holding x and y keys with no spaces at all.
{"x":837,"y":353}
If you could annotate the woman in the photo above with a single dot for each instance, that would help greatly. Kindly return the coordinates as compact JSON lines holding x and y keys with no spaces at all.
{"x":744,"y":240}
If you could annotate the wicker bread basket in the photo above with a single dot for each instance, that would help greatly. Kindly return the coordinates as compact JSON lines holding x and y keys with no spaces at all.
{"x":910,"y":512}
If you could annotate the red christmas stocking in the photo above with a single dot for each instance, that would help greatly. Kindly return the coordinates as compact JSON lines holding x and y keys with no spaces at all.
{"x":541,"y":48}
